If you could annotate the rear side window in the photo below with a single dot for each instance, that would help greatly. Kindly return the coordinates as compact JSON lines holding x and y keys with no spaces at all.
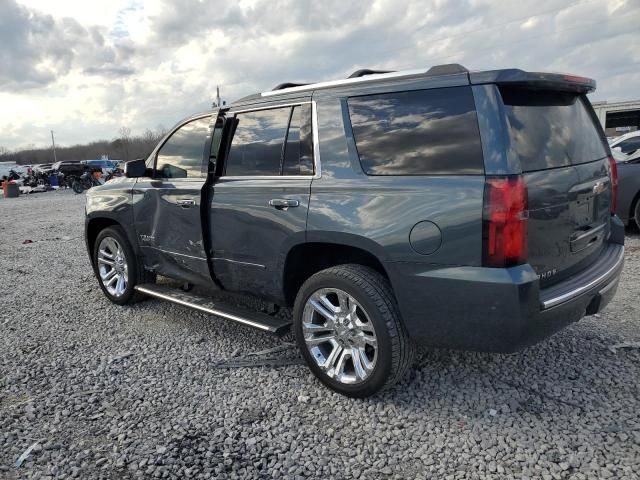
{"x":422,"y":132}
{"x":256,"y":148}
{"x":298,"y":154}
{"x":550,"y":129}
{"x":271,"y":142}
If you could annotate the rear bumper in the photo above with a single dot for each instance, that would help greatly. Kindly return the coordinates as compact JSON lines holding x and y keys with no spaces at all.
{"x":499,"y":310}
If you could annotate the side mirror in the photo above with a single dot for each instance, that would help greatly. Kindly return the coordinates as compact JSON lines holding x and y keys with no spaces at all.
{"x":135,"y":168}
{"x":617,"y":149}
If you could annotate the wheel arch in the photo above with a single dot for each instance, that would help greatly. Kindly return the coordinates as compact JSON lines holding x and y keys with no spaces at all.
{"x":305,"y":259}
{"x":94,"y":225}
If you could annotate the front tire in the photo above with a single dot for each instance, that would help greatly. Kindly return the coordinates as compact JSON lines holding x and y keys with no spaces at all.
{"x":117,"y":268}
{"x":348,"y":328}
{"x":637,"y":214}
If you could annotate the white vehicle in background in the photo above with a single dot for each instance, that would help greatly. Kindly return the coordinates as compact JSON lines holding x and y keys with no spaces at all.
{"x":627,"y":143}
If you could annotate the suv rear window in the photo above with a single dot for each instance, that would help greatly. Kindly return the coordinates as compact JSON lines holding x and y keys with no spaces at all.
{"x":550,"y":129}
{"x":421,"y":132}
{"x":271,"y":142}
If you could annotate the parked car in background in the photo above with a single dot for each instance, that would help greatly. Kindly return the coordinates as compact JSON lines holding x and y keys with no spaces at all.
{"x":69,"y":167}
{"x":106,"y":166}
{"x":628,"y":198}
{"x":23,"y":169}
{"x":628,"y":143}
{"x":45,"y":168}
{"x":435,"y":207}
{"x":6,"y":167}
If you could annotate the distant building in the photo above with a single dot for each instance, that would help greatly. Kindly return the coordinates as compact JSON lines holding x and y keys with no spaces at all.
{"x":618,"y":118}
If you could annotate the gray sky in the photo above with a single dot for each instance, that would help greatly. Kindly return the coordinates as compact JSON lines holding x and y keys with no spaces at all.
{"x":84,"y":69}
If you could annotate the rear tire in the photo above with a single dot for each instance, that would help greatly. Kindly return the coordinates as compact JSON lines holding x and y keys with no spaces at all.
{"x":77,"y":186}
{"x":636,"y":215}
{"x":348,"y":328}
{"x":117,"y":268}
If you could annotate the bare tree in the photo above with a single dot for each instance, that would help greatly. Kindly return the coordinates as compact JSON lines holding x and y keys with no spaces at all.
{"x":125,"y":146}
{"x":149,"y":138}
{"x":125,"y":137}
{"x":161,"y":131}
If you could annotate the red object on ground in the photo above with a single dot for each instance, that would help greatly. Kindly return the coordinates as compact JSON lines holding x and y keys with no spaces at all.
{"x":10,"y":189}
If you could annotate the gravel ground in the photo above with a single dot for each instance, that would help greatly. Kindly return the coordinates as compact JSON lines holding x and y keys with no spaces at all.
{"x":129,"y":392}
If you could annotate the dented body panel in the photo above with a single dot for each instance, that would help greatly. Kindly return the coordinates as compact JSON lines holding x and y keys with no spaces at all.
{"x":424,"y":232}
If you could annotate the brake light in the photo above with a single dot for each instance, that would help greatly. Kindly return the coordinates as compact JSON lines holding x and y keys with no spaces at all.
{"x":614,"y":183}
{"x":505,"y":220}
{"x":576,"y":78}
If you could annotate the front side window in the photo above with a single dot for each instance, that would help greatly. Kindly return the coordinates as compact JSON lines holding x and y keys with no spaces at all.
{"x":271,"y":142}
{"x":181,"y":155}
{"x":421,"y":132}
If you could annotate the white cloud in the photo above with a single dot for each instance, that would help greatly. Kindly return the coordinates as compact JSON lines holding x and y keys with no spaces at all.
{"x":84,"y":69}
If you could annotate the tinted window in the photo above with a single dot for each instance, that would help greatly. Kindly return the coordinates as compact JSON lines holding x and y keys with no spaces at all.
{"x":550,"y":129}
{"x":181,"y":155}
{"x":298,"y":153}
{"x":629,"y":146}
{"x":258,"y":140}
{"x":417,"y":133}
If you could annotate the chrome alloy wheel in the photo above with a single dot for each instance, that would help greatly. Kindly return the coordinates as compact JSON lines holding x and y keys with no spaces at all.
{"x":112,"y":266}
{"x":339,"y":335}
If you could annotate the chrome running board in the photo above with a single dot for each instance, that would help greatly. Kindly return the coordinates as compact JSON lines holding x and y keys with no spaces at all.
{"x":251,"y":318}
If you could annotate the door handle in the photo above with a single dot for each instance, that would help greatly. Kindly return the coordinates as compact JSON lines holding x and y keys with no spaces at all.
{"x":283,"y":203}
{"x":186,"y":202}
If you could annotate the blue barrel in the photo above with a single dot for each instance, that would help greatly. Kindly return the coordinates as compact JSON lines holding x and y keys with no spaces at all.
{"x":53,"y":180}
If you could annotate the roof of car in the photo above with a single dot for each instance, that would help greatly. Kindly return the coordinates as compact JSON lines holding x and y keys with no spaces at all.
{"x":368,"y":77}
{"x":623,"y":137}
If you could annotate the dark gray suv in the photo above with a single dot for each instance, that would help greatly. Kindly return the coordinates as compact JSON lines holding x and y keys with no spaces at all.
{"x":435,"y":207}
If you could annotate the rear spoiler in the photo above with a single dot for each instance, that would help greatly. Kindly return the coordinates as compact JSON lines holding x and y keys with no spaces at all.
{"x":545,"y":81}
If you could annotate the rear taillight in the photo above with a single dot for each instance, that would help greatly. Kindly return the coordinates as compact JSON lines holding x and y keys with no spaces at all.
{"x":504,"y":224}
{"x":614,"y":183}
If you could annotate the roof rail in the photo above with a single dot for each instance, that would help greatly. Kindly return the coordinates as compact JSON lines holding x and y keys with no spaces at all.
{"x":447,"y":69}
{"x":366,"y":71}
{"x":282,"y":86}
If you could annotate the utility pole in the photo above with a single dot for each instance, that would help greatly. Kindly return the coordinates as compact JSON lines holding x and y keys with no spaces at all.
{"x":54,"y":148}
{"x":218,"y":96}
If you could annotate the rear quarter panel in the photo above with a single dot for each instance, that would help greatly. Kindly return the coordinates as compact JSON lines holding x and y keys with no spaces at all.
{"x":379,"y":212}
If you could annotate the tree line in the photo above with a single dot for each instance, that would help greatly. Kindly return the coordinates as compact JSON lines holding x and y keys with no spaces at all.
{"x":124,"y":147}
